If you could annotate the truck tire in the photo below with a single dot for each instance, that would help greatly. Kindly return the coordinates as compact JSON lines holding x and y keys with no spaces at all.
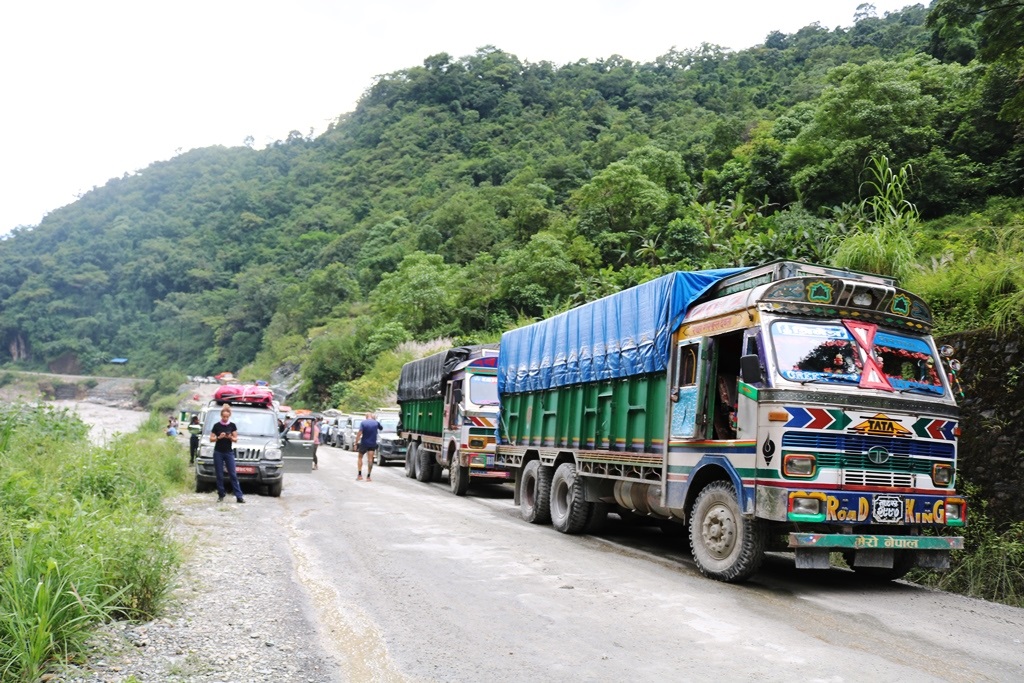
{"x":200,"y":486}
{"x":425,"y":466}
{"x":411,"y":456}
{"x":569,"y":507}
{"x":535,"y":494}
{"x":458,"y":476}
{"x":378,"y":457}
{"x":725,"y":545}
{"x":274,"y":490}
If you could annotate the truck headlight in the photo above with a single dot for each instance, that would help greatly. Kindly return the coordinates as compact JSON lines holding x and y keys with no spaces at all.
{"x":272,"y":453}
{"x":799,"y":465}
{"x":807,"y":506}
{"x":956,"y":511}
{"x":942,"y":475}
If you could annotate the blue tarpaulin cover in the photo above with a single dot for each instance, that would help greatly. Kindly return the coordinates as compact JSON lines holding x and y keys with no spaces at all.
{"x":624,"y":334}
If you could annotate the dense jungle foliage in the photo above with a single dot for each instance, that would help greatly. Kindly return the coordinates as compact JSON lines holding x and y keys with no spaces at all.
{"x":466,"y":195}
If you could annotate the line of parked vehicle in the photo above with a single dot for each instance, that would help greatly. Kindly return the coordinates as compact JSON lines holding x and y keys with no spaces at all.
{"x":340,"y":431}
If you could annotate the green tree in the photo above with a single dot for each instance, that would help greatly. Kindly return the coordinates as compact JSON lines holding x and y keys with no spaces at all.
{"x":419,"y":295}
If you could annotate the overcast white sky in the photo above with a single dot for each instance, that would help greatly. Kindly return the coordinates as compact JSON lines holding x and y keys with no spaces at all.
{"x":92,"y":89}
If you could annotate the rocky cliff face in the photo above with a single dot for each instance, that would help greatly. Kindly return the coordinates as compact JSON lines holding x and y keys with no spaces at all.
{"x":992,"y":419}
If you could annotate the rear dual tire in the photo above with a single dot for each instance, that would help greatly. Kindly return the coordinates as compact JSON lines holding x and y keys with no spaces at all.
{"x":569,"y":508}
{"x":424,"y":465}
{"x":535,"y":493}
{"x":411,"y":457}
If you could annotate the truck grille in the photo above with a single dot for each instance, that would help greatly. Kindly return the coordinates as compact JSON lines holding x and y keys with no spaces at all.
{"x":849,"y":453}
{"x":856,"y":444}
{"x":248,"y":454}
{"x":865,"y":478}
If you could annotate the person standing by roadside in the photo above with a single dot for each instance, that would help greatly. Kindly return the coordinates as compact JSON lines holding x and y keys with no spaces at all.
{"x":223,"y":436}
{"x":366,"y":441}
{"x":316,"y":441}
{"x":194,"y":429}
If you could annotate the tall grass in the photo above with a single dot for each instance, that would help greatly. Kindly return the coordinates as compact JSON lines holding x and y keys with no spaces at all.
{"x":82,"y":533}
{"x":883,"y":242}
{"x":991,"y":565}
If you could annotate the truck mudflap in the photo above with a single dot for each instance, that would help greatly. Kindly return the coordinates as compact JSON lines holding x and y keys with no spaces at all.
{"x":873,"y":550}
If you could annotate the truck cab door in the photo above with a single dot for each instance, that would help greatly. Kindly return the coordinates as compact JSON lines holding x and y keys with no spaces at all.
{"x":687,"y":391}
{"x":297,"y":448}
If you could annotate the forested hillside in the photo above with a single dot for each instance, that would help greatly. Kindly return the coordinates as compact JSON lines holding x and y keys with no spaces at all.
{"x":468,"y":194}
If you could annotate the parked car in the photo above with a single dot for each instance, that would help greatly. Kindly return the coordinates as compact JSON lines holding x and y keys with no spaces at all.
{"x":345,"y":435}
{"x":390,"y":446}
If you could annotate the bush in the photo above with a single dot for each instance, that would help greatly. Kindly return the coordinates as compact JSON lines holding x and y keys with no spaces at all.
{"x":82,"y":533}
{"x":991,"y":565}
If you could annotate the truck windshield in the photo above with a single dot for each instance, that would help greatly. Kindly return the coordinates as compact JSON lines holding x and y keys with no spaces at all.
{"x":828,"y":353}
{"x":483,"y":390}
{"x":249,"y":422}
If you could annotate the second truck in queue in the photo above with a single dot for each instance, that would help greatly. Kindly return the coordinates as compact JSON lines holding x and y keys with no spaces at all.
{"x":787,"y":406}
{"x":449,"y":416}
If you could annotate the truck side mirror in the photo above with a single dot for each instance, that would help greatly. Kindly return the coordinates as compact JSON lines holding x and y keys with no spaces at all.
{"x":457,"y":396}
{"x":750,"y":369}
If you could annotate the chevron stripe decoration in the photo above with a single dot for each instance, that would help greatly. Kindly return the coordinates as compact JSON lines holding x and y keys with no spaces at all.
{"x":817,"y":418}
{"x":942,"y":430}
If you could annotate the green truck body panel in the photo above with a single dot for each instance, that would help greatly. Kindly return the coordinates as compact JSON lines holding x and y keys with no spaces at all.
{"x":616,"y":415}
{"x":423,"y":416}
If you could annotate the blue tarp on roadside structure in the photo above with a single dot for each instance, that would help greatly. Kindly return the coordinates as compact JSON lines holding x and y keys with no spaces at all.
{"x":624,"y":334}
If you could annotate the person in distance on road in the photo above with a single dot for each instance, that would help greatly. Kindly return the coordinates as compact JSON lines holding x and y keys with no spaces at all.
{"x":315,"y":435}
{"x":366,"y":440}
{"x":193,"y":441}
{"x":224,"y":435}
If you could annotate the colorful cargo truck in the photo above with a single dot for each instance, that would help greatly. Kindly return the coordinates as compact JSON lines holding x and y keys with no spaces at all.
{"x":785,"y":407}
{"x":449,"y":406}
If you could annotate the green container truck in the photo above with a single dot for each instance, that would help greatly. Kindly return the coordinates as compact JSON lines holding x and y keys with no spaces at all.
{"x":449,"y":416}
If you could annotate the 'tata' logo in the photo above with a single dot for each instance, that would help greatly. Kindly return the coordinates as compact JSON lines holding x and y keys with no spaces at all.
{"x":881,"y":425}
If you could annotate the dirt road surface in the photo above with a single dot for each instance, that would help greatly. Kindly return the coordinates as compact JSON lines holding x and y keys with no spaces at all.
{"x":395,"y":580}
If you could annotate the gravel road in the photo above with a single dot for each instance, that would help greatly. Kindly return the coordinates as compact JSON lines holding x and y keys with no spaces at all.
{"x":395,"y":580}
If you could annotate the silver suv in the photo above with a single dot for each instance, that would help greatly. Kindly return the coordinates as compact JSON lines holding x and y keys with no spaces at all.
{"x":257,"y":452}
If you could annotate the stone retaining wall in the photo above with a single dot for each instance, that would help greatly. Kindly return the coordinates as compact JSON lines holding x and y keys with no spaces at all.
{"x":992,"y":418}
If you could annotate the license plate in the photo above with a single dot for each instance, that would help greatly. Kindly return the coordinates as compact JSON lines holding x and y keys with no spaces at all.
{"x":887,"y":509}
{"x":245,"y":469}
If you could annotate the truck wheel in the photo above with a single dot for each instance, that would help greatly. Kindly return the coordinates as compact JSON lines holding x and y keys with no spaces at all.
{"x":535,"y":495}
{"x":411,"y":456}
{"x":378,"y":457}
{"x":274,"y":490}
{"x":425,"y":468}
{"x":725,"y":545}
{"x":200,"y":486}
{"x":458,"y":477}
{"x":569,"y":507}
